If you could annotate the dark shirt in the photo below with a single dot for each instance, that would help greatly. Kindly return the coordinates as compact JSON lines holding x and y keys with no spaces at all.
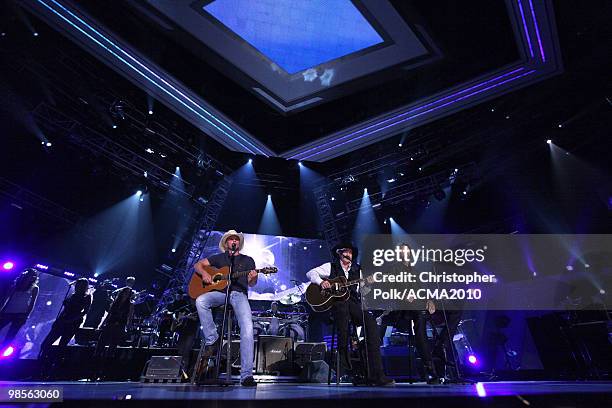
{"x":119,"y":312}
{"x":75,"y":306}
{"x":241,"y":263}
{"x":101,"y":300}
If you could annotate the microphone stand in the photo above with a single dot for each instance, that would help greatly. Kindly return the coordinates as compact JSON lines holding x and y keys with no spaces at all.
{"x":459,"y":379}
{"x":228,"y":378}
{"x":365,"y":331}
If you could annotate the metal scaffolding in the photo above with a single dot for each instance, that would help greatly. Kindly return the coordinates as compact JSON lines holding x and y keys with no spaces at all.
{"x":202,"y":229}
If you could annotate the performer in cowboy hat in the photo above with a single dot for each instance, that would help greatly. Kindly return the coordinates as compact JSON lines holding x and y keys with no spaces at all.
{"x":231,"y":244}
{"x":351,"y":310}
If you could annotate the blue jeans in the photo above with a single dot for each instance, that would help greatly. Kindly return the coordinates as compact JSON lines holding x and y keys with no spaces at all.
{"x":242,"y":309}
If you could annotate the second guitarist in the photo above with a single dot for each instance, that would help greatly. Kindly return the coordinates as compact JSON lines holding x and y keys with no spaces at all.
{"x":231,"y":243}
{"x":351,"y":310}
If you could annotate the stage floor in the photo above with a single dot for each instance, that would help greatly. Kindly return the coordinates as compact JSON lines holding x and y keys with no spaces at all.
{"x":515,"y":393}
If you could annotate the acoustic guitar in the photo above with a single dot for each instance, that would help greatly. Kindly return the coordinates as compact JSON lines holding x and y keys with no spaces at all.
{"x":219,"y":279}
{"x":321,"y":300}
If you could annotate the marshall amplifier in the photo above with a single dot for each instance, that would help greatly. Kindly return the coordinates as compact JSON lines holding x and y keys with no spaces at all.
{"x":307,"y":352}
{"x":274,"y":355}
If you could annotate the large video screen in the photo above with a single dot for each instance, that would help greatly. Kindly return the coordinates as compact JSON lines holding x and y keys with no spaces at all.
{"x":292,"y":256}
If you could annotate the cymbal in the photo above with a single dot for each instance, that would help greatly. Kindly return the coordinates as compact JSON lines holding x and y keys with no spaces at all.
{"x":290,"y":299}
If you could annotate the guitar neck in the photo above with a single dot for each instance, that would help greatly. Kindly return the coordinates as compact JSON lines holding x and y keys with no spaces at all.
{"x":244,"y":273}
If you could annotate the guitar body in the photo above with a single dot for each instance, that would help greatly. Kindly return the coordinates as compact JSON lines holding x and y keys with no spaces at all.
{"x":322,"y":300}
{"x":219,"y":276}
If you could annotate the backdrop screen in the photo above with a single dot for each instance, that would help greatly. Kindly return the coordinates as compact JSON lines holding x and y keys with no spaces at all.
{"x":292,"y":256}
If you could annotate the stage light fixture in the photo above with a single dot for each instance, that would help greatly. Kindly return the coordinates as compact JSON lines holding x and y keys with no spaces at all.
{"x":472,"y":359}
{"x":439,"y":194}
{"x":141,"y":199}
{"x":146,"y":174}
{"x":149,"y":150}
{"x":269,"y":197}
{"x":114,"y":126}
{"x":560,"y":125}
{"x":150,"y":112}
{"x":300,"y":164}
{"x":549,"y":141}
{"x":49,"y":303}
{"x":7,"y":352}
{"x":8,"y":265}
{"x":48,"y":144}
{"x":173,"y":250}
{"x":250,"y":161}
{"x":96,"y":274}
{"x":399,"y":145}
{"x":365,"y":190}
{"x":35,"y":34}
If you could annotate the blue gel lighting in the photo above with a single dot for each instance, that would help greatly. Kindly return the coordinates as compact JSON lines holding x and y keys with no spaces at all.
{"x":297,"y":35}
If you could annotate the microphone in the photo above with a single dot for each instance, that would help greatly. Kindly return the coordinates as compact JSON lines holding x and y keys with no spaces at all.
{"x":234,"y":247}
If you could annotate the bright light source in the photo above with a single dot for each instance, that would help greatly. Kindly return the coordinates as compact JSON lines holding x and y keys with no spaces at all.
{"x":139,"y":192}
{"x":150,"y":112}
{"x":48,"y":144}
{"x":365,"y":190}
{"x":333,"y":198}
{"x":391,"y":180}
{"x":149,"y":150}
{"x":35,"y":34}
{"x":400,"y":145}
{"x":96,"y":274}
{"x":269,"y":197}
{"x":305,"y":248}
{"x":602,"y":291}
{"x":141,"y":199}
{"x":8,"y":265}
{"x":114,"y":126}
{"x":7,"y":352}
{"x":146,"y":174}
{"x":178,"y":168}
{"x":300,"y":164}
{"x":549,"y":141}
{"x":560,"y":125}
{"x":464,"y":192}
{"x":390,"y":218}
{"x":472,"y":359}
{"x":173,"y":249}
{"x":290,"y":244}
{"x":250,"y":161}
{"x":49,"y":303}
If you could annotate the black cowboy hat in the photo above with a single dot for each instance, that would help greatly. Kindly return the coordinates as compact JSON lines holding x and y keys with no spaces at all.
{"x":345,"y":245}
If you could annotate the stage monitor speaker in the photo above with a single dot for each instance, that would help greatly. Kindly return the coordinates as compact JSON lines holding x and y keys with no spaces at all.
{"x":314,"y":372}
{"x":86,"y":335}
{"x":165,"y":368}
{"x":306,"y":352}
{"x":274,"y":354}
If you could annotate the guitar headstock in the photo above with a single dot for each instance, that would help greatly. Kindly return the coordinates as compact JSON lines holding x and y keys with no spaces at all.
{"x":268,"y":270}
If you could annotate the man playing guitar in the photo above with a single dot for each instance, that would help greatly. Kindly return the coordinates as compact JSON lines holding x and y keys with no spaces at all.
{"x":230,"y":245}
{"x":343,"y":265}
